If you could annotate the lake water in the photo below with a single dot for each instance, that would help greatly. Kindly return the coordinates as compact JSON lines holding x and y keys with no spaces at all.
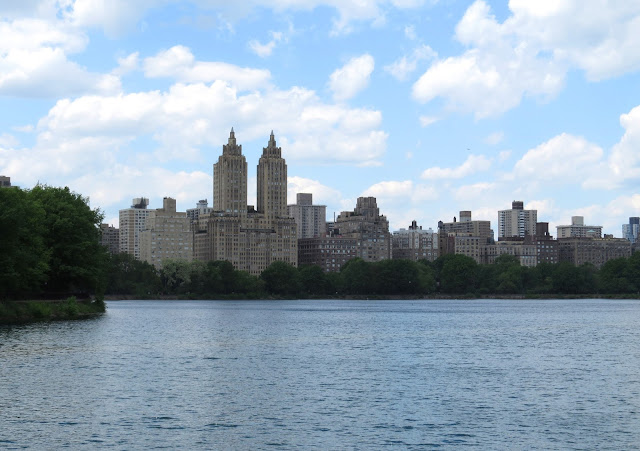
{"x":486,"y":374}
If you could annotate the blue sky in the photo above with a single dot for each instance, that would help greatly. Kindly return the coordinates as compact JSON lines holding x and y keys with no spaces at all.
{"x":431,"y":106}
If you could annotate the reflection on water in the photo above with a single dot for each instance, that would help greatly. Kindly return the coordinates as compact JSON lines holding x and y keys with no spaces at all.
{"x":327,"y":374}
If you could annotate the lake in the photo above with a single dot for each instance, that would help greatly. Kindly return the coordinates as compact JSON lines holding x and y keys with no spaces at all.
{"x":327,"y":374}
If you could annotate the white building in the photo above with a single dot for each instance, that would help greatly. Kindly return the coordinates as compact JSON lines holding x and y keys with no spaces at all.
{"x":132,"y":221}
{"x":517,"y":221}
{"x":310,"y":219}
{"x":578,"y":229}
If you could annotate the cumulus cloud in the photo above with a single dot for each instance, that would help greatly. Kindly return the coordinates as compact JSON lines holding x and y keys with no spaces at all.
{"x":494,"y":138}
{"x":351,"y":78}
{"x":406,"y":65}
{"x":428,"y":120}
{"x":34,"y":61}
{"x":529,"y":54}
{"x":265,"y":50}
{"x":179,"y":63}
{"x":473,"y":164}
{"x":322,"y":194}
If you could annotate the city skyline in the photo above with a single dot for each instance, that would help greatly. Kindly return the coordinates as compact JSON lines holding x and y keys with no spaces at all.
{"x":432,"y":107}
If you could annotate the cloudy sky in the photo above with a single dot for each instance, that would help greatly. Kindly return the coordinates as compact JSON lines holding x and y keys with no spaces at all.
{"x":431,"y":106}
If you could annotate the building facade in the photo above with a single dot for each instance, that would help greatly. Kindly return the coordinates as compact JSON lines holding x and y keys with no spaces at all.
{"x":195,"y":214}
{"x":167,"y":235}
{"x":415,"y":244}
{"x":251,"y":240}
{"x":5,"y":182}
{"x":310,"y":219}
{"x":132,"y":221}
{"x":578,"y":229}
{"x":465,"y":237}
{"x":631,"y":231}
{"x":596,"y":251}
{"x":517,"y":222}
{"x":110,"y":238}
{"x":368,"y":227}
{"x":329,"y":252}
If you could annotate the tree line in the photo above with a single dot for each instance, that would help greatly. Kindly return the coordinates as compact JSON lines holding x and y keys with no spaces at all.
{"x":50,"y":248}
{"x":448,"y":275}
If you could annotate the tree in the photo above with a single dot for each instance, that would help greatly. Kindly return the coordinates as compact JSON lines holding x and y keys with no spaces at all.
{"x":280,"y":278}
{"x":24,"y":258}
{"x":72,"y":235}
{"x":614,"y":277}
{"x":126,"y":275}
{"x":313,"y":280}
{"x":458,"y":274}
{"x":356,"y":276}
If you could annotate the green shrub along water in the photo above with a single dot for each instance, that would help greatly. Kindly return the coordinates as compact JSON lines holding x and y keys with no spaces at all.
{"x":28,"y":311}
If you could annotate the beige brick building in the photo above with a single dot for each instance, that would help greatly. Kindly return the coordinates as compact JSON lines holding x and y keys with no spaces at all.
{"x":517,"y":221}
{"x":465,"y":237}
{"x":368,"y":227}
{"x":110,"y":238}
{"x":328,"y":252}
{"x":251,"y":240}
{"x":578,"y":229}
{"x":132,"y":221}
{"x":167,"y":235}
{"x":596,"y":251}
{"x":415,"y":244}
{"x":310,"y":219}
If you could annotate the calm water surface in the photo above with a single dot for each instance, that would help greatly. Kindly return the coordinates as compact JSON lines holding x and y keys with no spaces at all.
{"x":485,"y":374}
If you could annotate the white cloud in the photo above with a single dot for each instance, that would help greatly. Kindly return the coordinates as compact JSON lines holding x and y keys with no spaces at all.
{"x":560,"y":160}
{"x":351,"y":78}
{"x":529,"y":54}
{"x":34,"y":61}
{"x":472,"y":165}
{"x":264,"y":50}
{"x":410,"y":32}
{"x":504,"y":155}
{"x":127,"y":64}
{"x":179,"y":63}
{"x":322,"y":194}
{"x":494,"y":138}
{"x":403,"y":67}
{"x":8,"y":141}
{"x":428,"y":120}
{"x":625,"y":155}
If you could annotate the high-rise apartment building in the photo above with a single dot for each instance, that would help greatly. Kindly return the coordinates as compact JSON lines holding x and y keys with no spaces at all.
{"x":517,"y":221}
{"x":194,"y":214}
{"x":465,"y":237}
{"x":272,"y":182}
{"x":5,"y":182}
{"x":110,"y":238}
{"x":369,"y":227}
{"x":596,"y":251}
{"x":310,"y":219}
{"x":167,"y":235}
{"x":415,"y":244}
{"x":132,"y":221}
{"x":631,"y":231}
{"x":251,"y":240}
{"x":230,"y":180}
{"x":329,"y":252}
{"x":578,"y":229}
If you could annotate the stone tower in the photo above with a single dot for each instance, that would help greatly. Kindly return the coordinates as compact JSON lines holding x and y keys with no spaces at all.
{"x":272,"y":182}
{"x":230,"y":180}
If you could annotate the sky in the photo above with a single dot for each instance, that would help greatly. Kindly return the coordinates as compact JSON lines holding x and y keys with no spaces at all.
{"x":431,"y":106}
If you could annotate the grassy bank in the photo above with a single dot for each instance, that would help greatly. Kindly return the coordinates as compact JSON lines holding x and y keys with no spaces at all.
{"x":17,"y":312}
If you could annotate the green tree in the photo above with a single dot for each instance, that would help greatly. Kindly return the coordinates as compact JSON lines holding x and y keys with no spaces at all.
{"x":72,"y":235}
{"x":313,"y":280}
{"x":24,"y":258}
{"x":176,"y":276}
{"x":459,"y":274}
{"x":280,"y":278}
{"x":614,"y":277}
{"x":356,"y":277}
{"x":126,"y":275}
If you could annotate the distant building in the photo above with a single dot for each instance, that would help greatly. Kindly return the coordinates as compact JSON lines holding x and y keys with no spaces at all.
{"x":546,"y":246}
{"x":415,"y":244}
{"x":631,"y":231}
{"x":251,"y":240}
{"x":167,"y":235}
{"x":110,"y":238}
{"x":465,"y":237}
{"x":369,"y":227}
{"x":596,"y":251}
{"x":520,"y":248}
{"x":201,"y":211}
{"x":517,"y":222}
{"x":577,"y":229}
{"x":328,"y":252}
{"x":5,"y":182}
{"x":132,"y":222}
{"x":310,"y":219}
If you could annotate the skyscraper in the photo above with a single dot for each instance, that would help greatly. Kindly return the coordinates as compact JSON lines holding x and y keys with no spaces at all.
{"x":310,"y":219}
{"x":517,"y":222}
{"x":272,"y":182}
{"x":251,"y":240}
{"x":230,"y":180}
{"x":132,"y":222}
{"x":631,"y":231}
